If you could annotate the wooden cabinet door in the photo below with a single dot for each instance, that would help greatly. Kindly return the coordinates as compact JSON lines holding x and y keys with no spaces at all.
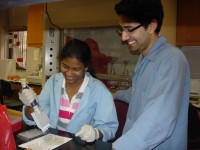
{"x":188,"y":23}
{"x":35,"y":25}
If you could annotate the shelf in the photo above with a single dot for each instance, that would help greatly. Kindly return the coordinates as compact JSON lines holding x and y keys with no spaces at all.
{"x":34,"y":80}
{"x":113,"y":77}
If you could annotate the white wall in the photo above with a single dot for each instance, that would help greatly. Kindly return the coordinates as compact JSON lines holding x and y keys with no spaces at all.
{"x":192,"y":54}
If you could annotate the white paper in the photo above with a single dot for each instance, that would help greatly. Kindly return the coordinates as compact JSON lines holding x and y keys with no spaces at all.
{"x":47,"y":142}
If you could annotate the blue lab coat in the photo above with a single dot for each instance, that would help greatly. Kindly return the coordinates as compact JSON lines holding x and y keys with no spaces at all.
{"x":96,"y":107}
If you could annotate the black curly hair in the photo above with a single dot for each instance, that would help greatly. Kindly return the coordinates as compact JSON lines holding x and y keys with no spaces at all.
{"x":142,"y":11}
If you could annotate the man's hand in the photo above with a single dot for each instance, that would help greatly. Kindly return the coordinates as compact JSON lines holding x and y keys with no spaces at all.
{"x":88,"y":133}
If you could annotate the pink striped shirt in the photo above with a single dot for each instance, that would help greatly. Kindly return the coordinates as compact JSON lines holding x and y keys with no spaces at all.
{"x":67,"y":108}
{"x":66,"y":111}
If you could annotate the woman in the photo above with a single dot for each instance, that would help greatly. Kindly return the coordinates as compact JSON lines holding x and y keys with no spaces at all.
{"x":74,"y":100}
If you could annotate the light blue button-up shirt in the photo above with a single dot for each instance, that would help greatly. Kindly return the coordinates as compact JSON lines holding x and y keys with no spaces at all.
{"x":158,"y":101}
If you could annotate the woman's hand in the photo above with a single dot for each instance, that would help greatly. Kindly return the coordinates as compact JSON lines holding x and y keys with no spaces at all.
{"x":28,"y":112}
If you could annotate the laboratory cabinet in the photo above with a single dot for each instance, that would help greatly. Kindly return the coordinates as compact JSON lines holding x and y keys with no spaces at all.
{"x":35,"y":25}
{"x":188,"y":23}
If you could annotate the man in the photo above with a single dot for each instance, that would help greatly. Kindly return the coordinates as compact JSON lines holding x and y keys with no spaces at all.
{"x":159,"y":96}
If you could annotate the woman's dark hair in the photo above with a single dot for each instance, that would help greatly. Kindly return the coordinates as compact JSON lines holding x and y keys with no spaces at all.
{"x":80,"y":50}
{"x":142,"y":11}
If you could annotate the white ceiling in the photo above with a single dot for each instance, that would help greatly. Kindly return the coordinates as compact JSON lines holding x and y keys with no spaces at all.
{"x":15,"y":3}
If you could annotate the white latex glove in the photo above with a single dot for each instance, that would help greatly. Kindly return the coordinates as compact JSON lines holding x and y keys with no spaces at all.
{"x":27,"y":96}
{"x":88,"y":133}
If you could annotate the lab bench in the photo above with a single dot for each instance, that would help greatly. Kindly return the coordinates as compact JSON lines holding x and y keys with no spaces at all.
{"x":16,"y":87}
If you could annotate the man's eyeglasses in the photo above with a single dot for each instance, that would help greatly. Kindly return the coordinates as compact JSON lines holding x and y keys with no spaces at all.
{"x":129,"y":29}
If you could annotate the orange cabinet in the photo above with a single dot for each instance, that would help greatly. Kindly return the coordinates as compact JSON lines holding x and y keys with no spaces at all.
{"x":35,"y":25}
{"x":188,"y":23}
